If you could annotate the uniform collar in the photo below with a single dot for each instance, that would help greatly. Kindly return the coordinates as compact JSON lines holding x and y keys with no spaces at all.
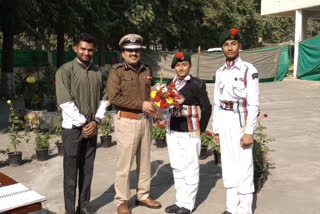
{"x":135,"y":68}
{"x":233,"y":64}
{"x":83,"y":65}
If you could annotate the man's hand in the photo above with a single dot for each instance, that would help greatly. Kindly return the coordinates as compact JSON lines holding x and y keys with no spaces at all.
{"x":216,"y":139}
{"x":89,"y":130}
{"x":149,"y":107}
{"x":246,"y":140}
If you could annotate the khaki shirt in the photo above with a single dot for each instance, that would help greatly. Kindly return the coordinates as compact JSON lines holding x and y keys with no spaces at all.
{"x":82,"y":86}
{"x":128,"y":87}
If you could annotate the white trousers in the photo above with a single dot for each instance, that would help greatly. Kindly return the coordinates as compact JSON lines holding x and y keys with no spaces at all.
{"x":237,"y":165}
{"x":184,"y":150}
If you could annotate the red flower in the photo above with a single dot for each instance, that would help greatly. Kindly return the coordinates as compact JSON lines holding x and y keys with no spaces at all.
{"x":158,"y":122}
{"x":265,"y":115}
{"x":158,"y":93}
{"x":161,"y":125}
{"x":233,"y":31}
{"x":157,"y":99}
{"x":179,"y":55}
{"x":52,"y":82}
{"x":208,"y":132}
{"x":113,"y":60}
{"x":165,"y":122}
{"x":258,"y":114}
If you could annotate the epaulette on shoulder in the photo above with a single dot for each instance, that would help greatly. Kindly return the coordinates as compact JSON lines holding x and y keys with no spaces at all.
{"x":148,"y":66}
{"x":116,"y":66}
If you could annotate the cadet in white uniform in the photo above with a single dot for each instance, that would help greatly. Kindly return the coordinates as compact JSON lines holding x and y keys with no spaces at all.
{"x":236,"y":106}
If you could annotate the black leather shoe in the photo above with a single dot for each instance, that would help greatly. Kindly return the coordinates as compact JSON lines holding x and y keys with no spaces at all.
{"x":226,"y":212}
{"x":183,"y":210}
{"x":172,"y":209}
{"x":83,"y":211}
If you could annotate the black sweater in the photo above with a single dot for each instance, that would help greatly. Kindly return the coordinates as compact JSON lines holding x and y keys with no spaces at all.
{"x":194,"y":93}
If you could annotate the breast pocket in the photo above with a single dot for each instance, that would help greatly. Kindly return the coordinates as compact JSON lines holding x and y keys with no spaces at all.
{"x":239,"y":88}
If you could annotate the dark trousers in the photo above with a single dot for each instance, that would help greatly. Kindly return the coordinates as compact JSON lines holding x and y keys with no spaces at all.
{"x":79,"y":155}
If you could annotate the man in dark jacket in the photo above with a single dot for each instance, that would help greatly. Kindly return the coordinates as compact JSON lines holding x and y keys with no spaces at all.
{"x":81,"y":97}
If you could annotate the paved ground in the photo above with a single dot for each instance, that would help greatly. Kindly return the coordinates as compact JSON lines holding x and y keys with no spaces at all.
{"x":292,"y":187}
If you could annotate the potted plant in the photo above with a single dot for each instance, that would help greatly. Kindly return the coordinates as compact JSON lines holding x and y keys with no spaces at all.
{"x":57,"y":129}
{"x":216,"y":152}
{"x":105,"y":128}
{"x":260,"y":151}
{"x":159,"y":133}
{"x":206,"y":140}
{"x":15,"y":157}
{"x":42,"y":146}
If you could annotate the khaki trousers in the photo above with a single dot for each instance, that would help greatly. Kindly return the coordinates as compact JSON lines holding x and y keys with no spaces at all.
{"x":133,"y":140}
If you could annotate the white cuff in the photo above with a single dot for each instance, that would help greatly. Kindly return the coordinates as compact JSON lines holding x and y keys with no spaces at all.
{"x":102,"y":109}
{"x":71,"y":115}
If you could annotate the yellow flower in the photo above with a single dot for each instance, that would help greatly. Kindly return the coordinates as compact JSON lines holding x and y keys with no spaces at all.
{"x":30,"y":79}
{"x":9,"y":102}
{"x":169,"y":100}
{"x":153,"y":94}
{"x":157,"y":103}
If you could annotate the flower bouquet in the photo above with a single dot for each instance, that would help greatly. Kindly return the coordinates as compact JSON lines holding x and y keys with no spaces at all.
{"x":165,"y":96}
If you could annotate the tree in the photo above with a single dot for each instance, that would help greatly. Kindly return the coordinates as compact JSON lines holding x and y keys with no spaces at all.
{"x":15,"y":17}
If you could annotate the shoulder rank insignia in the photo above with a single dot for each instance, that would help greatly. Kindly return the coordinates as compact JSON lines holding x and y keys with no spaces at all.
{"x":148,"y":77}
{"x":116,"y":66}
{"x":255,"y":75}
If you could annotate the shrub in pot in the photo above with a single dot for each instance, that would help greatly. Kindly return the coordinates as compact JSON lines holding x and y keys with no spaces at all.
{"x":15,"y":157}
{"x":42,"y":146}
{"x":159,"y":133}
{"x":105,"y":128}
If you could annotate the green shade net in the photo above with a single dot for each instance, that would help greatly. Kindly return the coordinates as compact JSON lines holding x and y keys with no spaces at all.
{"x":70,"y":55}
{"x":271,"y":62}
{"x":309,"y":59}
{"x":26,"y":58}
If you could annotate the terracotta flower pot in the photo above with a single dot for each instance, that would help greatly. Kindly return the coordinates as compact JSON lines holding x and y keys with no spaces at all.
{"x":15,"y":159}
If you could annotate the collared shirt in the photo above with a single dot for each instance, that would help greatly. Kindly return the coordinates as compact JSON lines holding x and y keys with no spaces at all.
{"x":238,"y":80}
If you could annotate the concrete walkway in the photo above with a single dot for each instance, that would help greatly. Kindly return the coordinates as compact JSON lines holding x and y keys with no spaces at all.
{"x":293,"y":186}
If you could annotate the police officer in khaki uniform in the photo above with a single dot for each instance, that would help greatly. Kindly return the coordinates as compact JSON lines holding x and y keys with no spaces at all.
{"x":236,"y":99}
{"x":128,"y":88}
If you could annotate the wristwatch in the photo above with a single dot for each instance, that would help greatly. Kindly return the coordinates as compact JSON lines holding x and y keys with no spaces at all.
{"x":97,"y":120}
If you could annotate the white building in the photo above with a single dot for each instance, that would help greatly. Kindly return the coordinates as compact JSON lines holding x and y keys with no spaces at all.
{"x":301,"y":9}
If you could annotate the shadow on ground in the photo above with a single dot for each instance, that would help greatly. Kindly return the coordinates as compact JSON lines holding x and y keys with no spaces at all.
{"x":209,"y":175}
{"x":162,"y":178}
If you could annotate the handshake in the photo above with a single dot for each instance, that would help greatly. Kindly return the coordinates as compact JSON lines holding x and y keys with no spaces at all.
{"x":89,"y":130}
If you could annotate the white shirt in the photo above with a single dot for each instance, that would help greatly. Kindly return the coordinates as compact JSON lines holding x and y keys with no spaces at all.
{"x":230,"y":86}
{"x":72,"y":116}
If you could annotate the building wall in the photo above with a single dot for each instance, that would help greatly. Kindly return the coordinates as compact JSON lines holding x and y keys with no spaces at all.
{"x":286,"y":7}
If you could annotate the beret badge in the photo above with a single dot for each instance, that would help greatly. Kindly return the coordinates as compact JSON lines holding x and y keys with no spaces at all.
{"x":180,"y":56}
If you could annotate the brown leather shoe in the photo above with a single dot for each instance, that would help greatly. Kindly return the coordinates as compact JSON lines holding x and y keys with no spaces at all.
{"x":123,"y":208}
{"x":149,"y":202}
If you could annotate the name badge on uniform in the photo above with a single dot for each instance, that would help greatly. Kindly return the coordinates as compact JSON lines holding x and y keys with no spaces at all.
{"x":148,"y":77}
{"x":127,"y":78}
